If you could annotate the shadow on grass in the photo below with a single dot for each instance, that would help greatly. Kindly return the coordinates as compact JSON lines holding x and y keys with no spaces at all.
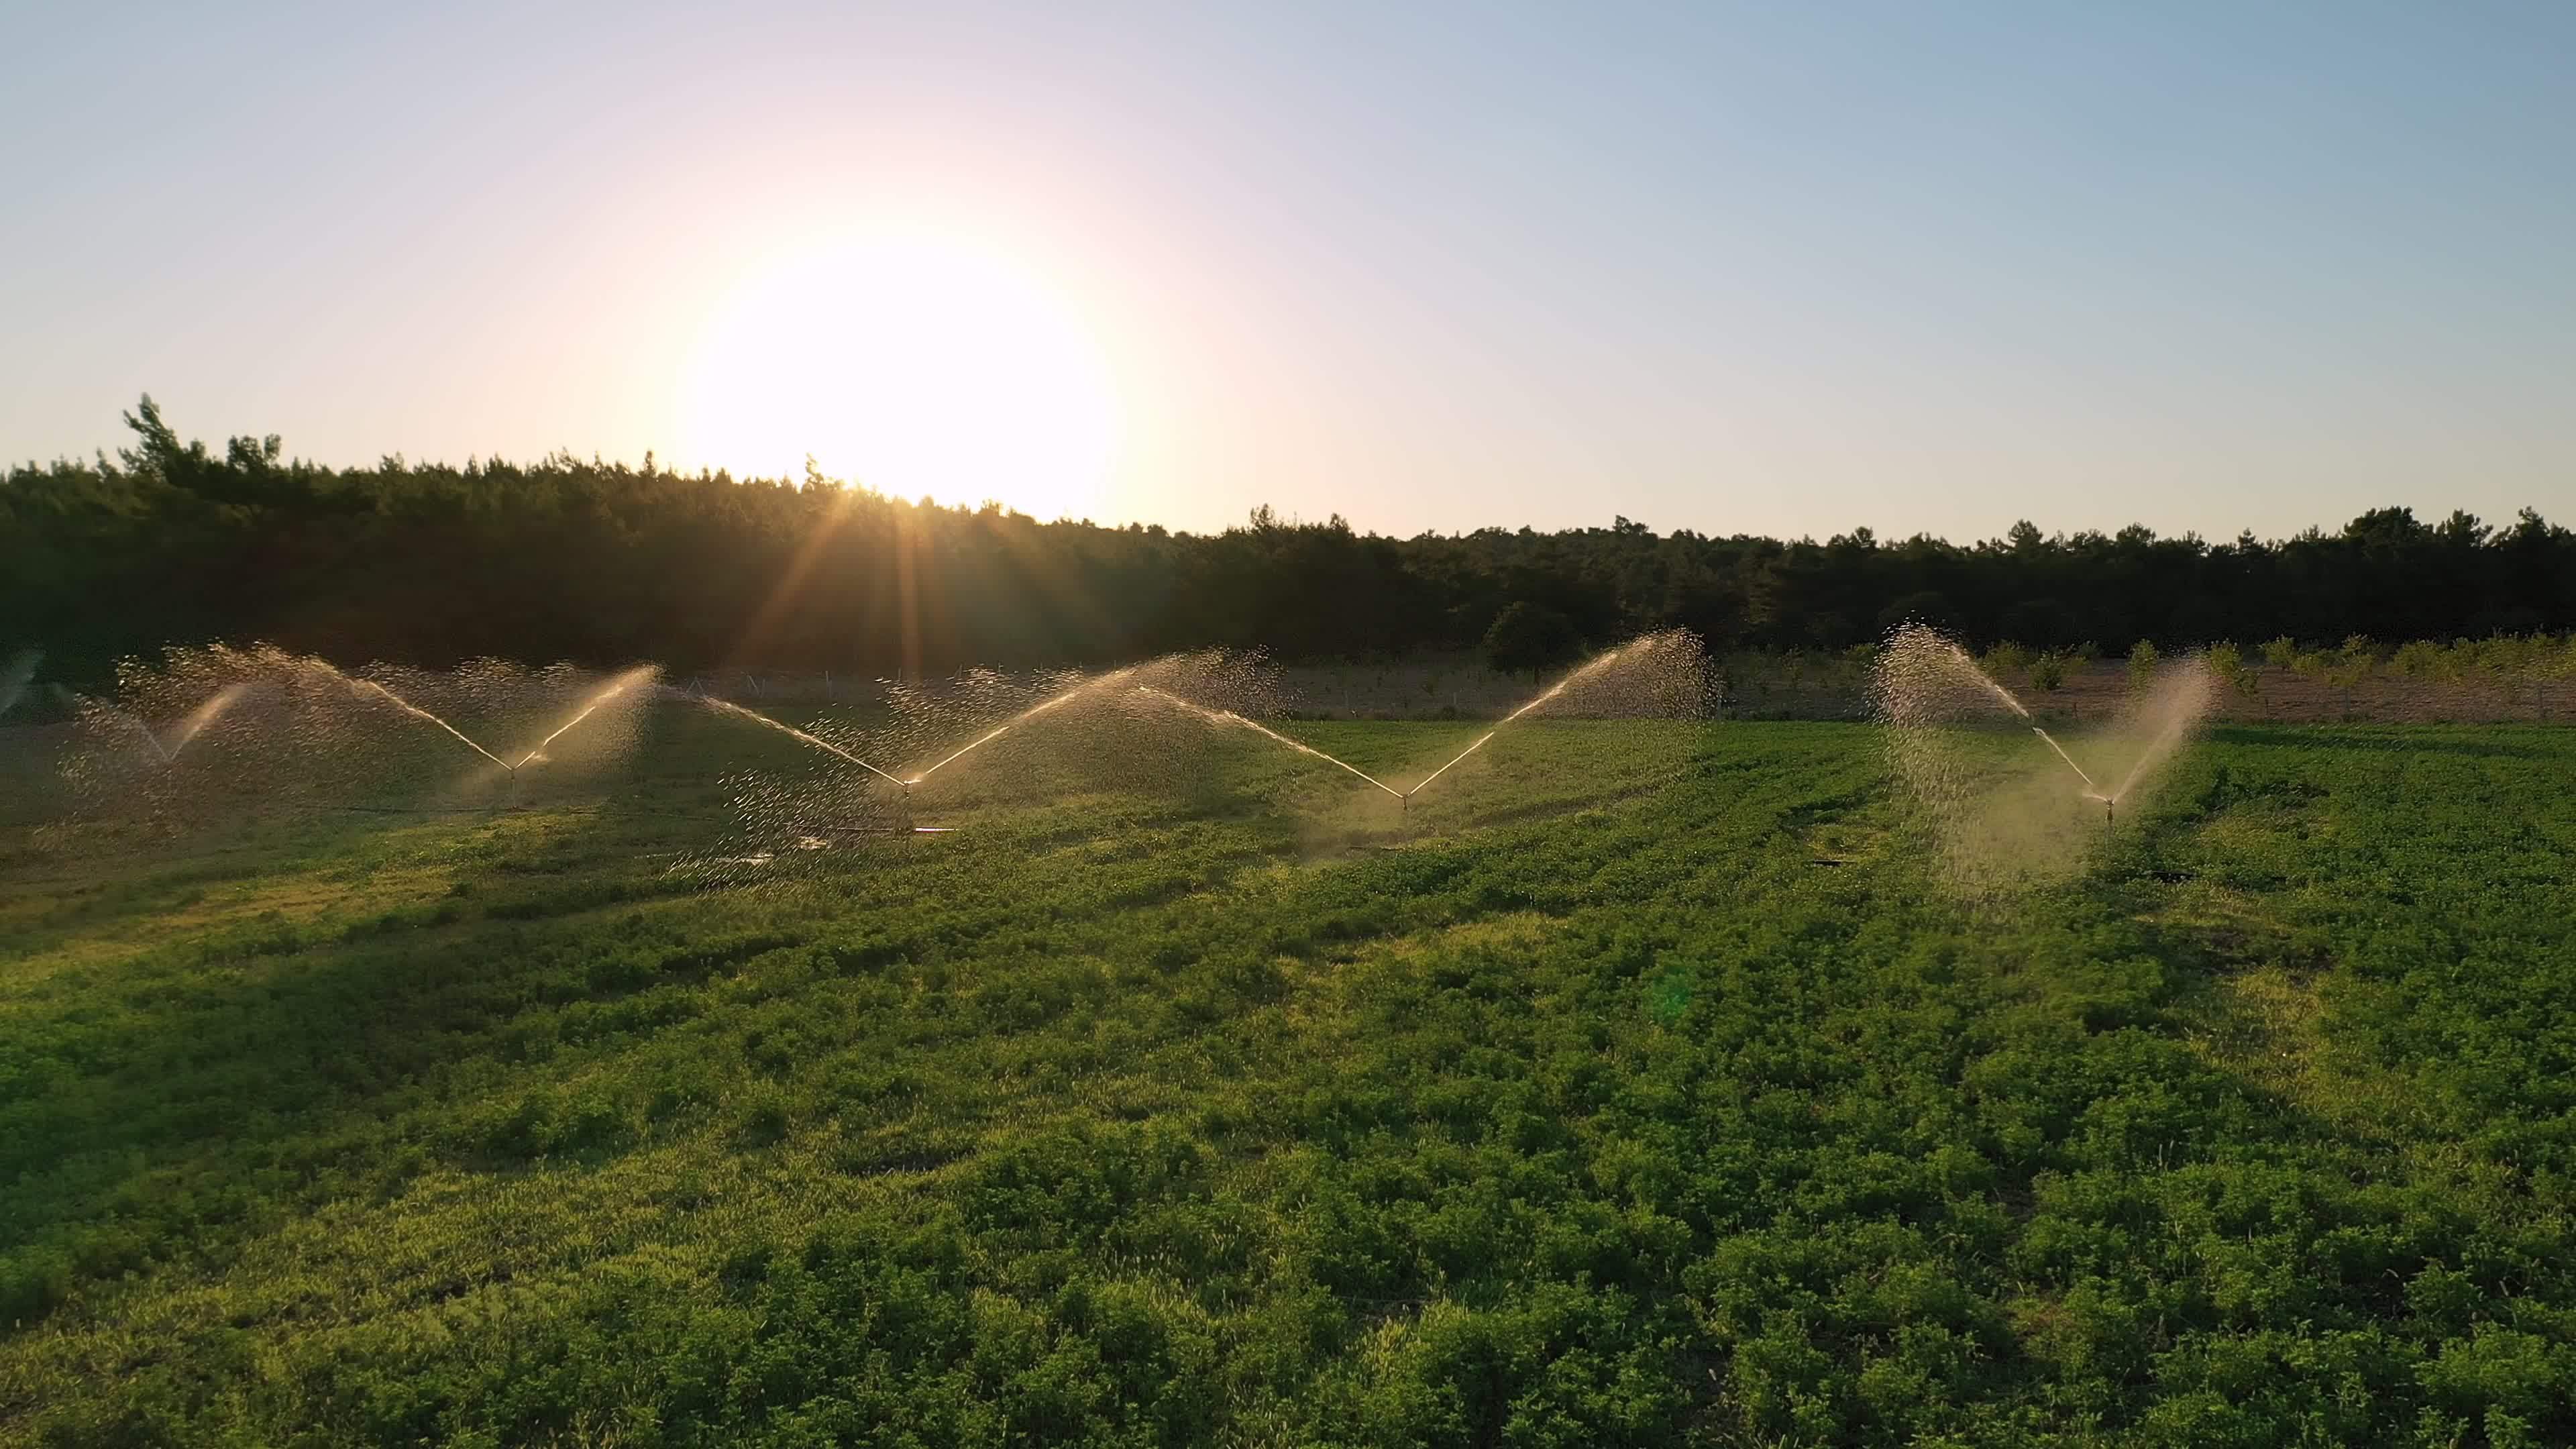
{"x":155,"y":1081}
{"x":174,"y":1098}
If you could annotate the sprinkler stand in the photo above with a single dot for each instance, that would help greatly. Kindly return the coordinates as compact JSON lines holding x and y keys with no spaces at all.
{"x":901,"y":824}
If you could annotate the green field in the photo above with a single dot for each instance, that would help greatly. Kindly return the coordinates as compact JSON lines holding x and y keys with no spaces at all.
{"x":1644,"y":1089}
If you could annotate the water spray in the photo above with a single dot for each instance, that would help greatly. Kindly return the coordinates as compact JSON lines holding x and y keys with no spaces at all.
{"x":360,"y":686}
{"x":1925,"y":681}
{"x":1558,"y":688}
{"x":727,"y":707}
{"x":616,"y":687}
{"x":153,"y":696}
{"x":1227,"y":716}
{"x":16,"y":675}
{"x":204,"y":715}
{"x":1462,"y":754}
{"x":2092,"y":791}
{"x":149,"y":738}
{"x":903,"y":784}
{"x":168,"y":750}
{"x":1023,"y":717}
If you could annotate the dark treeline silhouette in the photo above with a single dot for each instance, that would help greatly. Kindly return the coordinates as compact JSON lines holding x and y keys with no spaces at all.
{"x":566,"y":559}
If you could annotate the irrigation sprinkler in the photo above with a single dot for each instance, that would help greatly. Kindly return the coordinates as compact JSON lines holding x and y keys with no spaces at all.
{"x":903,"y":822}
{"x":404,"y":697}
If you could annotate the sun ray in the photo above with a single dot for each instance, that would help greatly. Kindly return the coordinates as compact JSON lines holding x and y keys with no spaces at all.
{"x":914,"y":364}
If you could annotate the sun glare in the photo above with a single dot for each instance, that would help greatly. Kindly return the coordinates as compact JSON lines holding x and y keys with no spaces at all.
{"x":911,"y":364}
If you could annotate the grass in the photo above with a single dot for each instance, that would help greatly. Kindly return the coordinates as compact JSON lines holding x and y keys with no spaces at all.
{"x":1646,"y":1090}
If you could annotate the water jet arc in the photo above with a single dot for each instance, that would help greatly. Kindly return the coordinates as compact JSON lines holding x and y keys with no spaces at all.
{"x":149,"y":738}
{"x":1227,"y":716}
{"x":2093,"y":789}
{"x":1462,"y":754}
{"x":727,"y":707}
{"x":205,"y":714}
{"x":1558,"y":688}
{"x":1005,"y":727}
{"x":616,"y":687}
{"x":187,"y":729}
{"x":360,"y":686}
{"x":2156,"y":750}
{"x":2013,"y":703}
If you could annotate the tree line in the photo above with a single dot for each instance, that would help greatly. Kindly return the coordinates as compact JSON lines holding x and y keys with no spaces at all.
{"x":565,"y":558}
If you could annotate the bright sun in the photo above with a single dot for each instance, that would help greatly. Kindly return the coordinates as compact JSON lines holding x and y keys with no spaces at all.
{"x":911,"y":364}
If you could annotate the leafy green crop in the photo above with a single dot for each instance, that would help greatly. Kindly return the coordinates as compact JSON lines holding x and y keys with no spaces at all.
{"x":1649,"y":1092}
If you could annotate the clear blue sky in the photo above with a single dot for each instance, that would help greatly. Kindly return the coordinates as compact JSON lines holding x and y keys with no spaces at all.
{"x":1784,"y":269}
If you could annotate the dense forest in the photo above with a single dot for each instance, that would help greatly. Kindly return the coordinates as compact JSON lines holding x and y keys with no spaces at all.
{"x":172,"y":542}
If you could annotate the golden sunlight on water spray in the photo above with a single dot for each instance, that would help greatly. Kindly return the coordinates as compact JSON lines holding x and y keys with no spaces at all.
{"x":1949,"y":652}
{"x":2000,"y":821}
{"x":1915,"y":647}
{"x":1229,"y":717}
{"x":149,"y":738}
{"x":361,"y":686}
{"x":2069,"y":759}
{"x":1029,"y":737}
{"x":1462,"y":754}
{"x":711,"y":702}
{"x":205,"y":715}
{"x":1592,"y":668}
{"x":1588,"y":670}
{"x":261,"y":729}
{"x":1024,"y":716}
{"x":188,"y":728}
{"x":2178,"y":703}
{"x":616,"y":687}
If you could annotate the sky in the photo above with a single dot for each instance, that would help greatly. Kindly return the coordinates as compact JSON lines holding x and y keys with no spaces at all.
{"x":1781,"y":269}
